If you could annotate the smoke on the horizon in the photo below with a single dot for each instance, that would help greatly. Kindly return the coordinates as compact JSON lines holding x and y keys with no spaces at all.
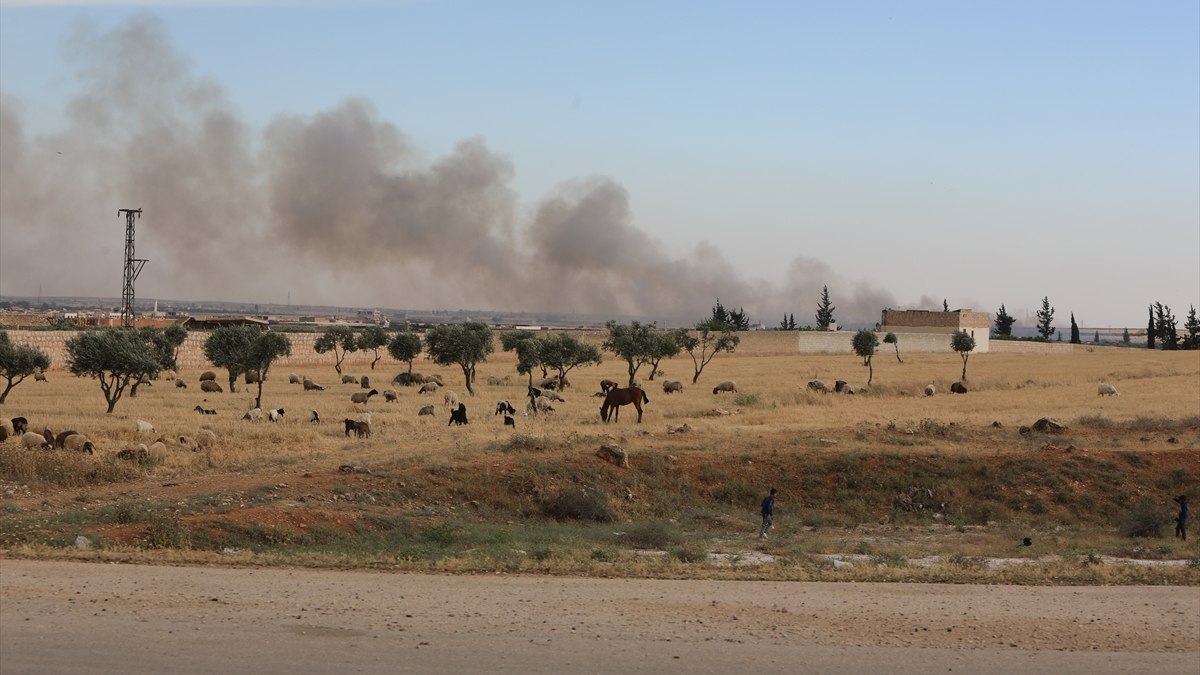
{"x":337,"y":207}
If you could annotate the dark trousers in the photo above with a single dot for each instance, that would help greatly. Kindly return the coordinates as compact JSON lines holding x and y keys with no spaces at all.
{"x":1181,"y":528}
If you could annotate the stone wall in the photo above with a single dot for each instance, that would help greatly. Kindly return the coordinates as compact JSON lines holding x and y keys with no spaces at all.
{"x":918,"y":319}
{"x":841,"y":342}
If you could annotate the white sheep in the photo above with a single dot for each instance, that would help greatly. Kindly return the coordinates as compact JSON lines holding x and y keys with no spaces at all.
{"x":428,"y":388}
{"x":672,"y":386}
{"x":543,"y":404}
{"x":158,"y":447}
{"x":205,"y":438}
{"x":930,"y":390}
{"x":1106,"y":389}
{"x":33,"y":441}
{"x":79,"y":443}
{"x":275,"y":414}
{"x":144,"y":427}
{"x":450,"y":399}
{"x":553,"y":396}
{"x":253,"y":415}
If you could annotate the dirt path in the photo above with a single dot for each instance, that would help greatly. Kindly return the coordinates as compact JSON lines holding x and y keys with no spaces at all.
{"x":79,"y":617}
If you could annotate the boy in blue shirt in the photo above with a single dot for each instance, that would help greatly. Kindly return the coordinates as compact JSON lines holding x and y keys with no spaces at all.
{"x":768,"y":510}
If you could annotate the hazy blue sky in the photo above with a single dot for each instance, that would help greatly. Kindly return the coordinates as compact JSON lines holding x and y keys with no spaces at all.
{"x":985,"y":152}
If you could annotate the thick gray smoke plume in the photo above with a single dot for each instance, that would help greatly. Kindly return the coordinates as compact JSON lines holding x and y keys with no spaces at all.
{"x":338,"y":208}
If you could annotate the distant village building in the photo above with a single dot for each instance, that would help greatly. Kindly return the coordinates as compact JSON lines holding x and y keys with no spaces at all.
{"x":917,"y":330}
{"x":213,"y":322}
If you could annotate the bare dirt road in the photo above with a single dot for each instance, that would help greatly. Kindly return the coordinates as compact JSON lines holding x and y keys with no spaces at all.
{"x":66,"y":617}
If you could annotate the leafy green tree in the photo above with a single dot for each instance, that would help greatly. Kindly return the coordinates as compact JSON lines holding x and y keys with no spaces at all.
{"x":1191,"y":325}
{"x":263,"y":350}
{"x":864,"y":343}
{"x":1165,"y":326}
{"x":165,"y":343}
{"x":964,"y":344}
{"x":115,"y":356}
{"x":226,"y":347}
{"x":1004,"y":322}
{"x":662,"y":346}
{"x":891,"y":339}
{"x":634,"y":344}
{"x":1074,"y":331}
{"x":372,"y":338}
{"x":341,"y":341}
{"x":1150,"y":330}
{"x":709,"y":340}
{"x":531,"y":355}
{"x":1045,"y":317}
{"x":733,"y":319}
{"x":18,"y":362}
{"x":824,"y":310}
{"x":563,"y":353}
{"x":792,"y":321}
{"x":465,"y":344}
{"x":405,"y":346}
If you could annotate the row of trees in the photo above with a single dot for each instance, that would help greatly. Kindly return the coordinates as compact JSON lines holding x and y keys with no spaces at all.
{"x":1161,"y":328}
{"x":824,"y":315}
{"x":865,"y":343}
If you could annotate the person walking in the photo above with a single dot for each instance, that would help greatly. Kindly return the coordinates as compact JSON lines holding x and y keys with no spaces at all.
{"x":768,"y":510}
{"x":1181,"y":519}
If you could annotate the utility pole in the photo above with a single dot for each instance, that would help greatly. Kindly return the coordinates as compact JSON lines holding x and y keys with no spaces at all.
{"x":133,"y":266}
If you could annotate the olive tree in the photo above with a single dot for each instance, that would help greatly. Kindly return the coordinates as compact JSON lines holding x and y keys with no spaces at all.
{"x":374,"y":339}
{"x":530,"y":354}
{"x":663,"y":345}
{"x":709,"y":340}
{"x":894,"y":341}
{"x":964,"y":344}
{"x":634,"y":344}
{"x":260,"y":353}
{"x":227,"y":346}
{"x":115,"y":356}
{"x":864,"y":343}
{"x":564,"y":352}
{"x":165,"y":342}
{"x":465,"y":344}
{"x":18,"y":362}
{"x":405,"y":346}
{"x":340,"y":340}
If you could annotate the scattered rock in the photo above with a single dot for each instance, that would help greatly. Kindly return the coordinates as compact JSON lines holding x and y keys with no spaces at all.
{"x":350,"y":468}
{"x":1023,"y":430}
{"x":826,"y":441}
{"x":83,"y":543}
{"x":996,"y":425}
{"x":682,"y":429}
{"x":1172,"y":440}
{"x":841,"y":565}
{"x":613,"y":455}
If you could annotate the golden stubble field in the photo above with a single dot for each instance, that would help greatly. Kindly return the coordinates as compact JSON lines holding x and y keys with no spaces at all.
{"x":733,"y":447}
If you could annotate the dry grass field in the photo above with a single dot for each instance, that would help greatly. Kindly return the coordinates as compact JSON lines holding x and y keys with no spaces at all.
{"x":903,"y":486}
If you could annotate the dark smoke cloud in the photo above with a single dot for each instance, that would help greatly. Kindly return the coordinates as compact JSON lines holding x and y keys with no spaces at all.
{"x":338,"y":208}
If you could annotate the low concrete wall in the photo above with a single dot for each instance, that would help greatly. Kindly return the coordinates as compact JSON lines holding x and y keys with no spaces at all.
{"x":841,"y":342}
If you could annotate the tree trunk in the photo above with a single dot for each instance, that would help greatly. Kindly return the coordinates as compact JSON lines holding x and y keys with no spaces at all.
{"x":653,"y":370}
{"x":134,"y":388}
{"x":337,"y":361}
{"x":964,"y":374}
{"x":11,"y":384}
{"x":376,"y":359}
{"x":258,"y":397}
{"x":232,"y":381}
{"x":870,"y":372}
{"x":467,"y":376}
{"x":410,"y":366}
{"x":898,"y":353}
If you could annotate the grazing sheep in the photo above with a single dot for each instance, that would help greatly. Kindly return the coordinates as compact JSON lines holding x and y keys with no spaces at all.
{"x":294,"y":378}
{"x":533,"y":393}
{"x":275,"y":415}
{"x":210,"y":387}
{"x":498,"y":381}
{"x":19,"y":425}
{"x":79,"y":443}
{"x":58,"y":440}
{"x":134,"y":453}
{"x":958,"y":388}
{"x":180,"y":384}
{"x":207,"y":376}
{"x":930,"y":390}
{"x":408,"y":379}
{"x":428,"y":388}
{"x":315,"y":418}
{"x":727,"y":385}
{"x":34,"y":441}
{"x":6,"y":427}
{"x":390,"y":396}
{"x":360,"y":429}
{"x":542,"y":404}
{"x":504,"y":408}
{"x":49,"y":436}
{"x":1106,"y":389}
{"x":510,"y":422}
{"x":168,"y":374}
{"x":185,"y":441}
{"x":427,"y":410}
{"x":251,"y":377}
{"x":554,"y":396}
{"x":364,"y":382}
{"x":436,"y":379}
{"x":818,"y":386}
{"x":253,"y":415}
{"x":205,"y":438}
{"x":309,"y":385}
{"x":364,"y":417}
{"x":349,"y":379}
{"x":205,"y":411}
{"x":158,"y":447}
{"x":458,"y":415}
{"x":40,"y":376}
{"x":144,"y":427}
{"x":450,"y":399}
{"x":362,"y":397}
{"x":672,"y":386}
{"x":549,"y":382}
{"x":840,"y":386}
{"x":3,"y":434}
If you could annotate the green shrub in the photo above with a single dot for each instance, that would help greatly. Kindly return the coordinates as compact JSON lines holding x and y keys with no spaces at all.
{"x":690,"y":553}
{"x":746,"y":400}
{"x":1144,"y":519}
{"x":655,"y":535}
{"x":167,"y":531}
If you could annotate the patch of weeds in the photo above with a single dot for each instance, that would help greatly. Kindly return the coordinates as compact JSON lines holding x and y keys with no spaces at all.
{"x":604,"y":555}
{"x":654,"y":536}
{"x":1133,"y":459}
{"x":690,"y":553}
{"x":519,"y":443}
{"x":1144,"y":519}
{"x":736,"y":493}
{"x":1193,"y":563}
{"x":580,"y":503}
{"x":746,"y":400}
{"x":969,"y":562}
{"x":167,"y":531}
{"x":1090,"y":557}
{"x":543,"y":553}
{"x":441,"y":535}
{"x":10,"y":508}
{"x":1097,"y":421}
{"x":122,"y":513}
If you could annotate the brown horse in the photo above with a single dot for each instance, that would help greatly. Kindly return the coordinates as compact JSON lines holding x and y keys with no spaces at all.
{"x":617,"y":397}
